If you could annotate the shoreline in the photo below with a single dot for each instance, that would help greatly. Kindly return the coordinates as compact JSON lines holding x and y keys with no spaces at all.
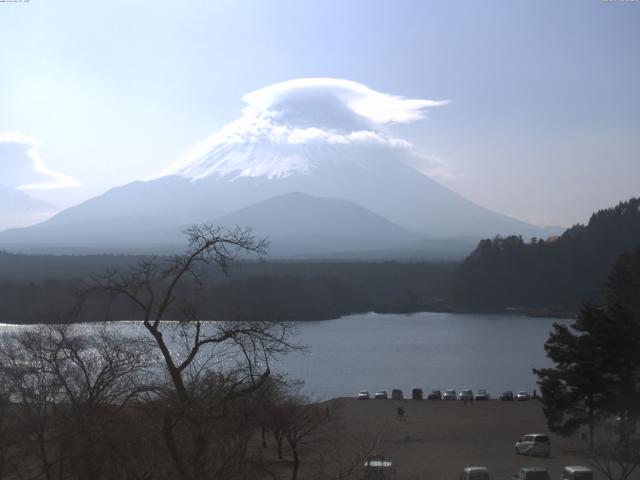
{"x":537,"y":313}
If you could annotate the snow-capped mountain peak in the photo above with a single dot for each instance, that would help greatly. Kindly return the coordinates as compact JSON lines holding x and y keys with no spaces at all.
{"x":296,"y":126}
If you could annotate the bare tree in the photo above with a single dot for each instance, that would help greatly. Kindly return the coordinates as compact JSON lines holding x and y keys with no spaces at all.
{"x":216,"y":364}
{"x":300,"y":422}
{"x":67,"y":388}
{"x":614,"y":455}
{"x":341,"y":453}
{"x":152,"y":288}
{"x":35,"y":391}
{"x":176,"y":403}
{"x":6,"y":431}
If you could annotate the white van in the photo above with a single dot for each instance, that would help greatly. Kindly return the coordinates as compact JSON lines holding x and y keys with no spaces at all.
{"x":475,"y":473}
{"x":577,"y":472}
{"x":531,"y":473}
{"x":534,"y":444}
{"x":378,"y":468}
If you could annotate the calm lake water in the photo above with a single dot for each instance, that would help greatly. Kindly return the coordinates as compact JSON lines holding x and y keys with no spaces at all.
{"x":426,"y":350}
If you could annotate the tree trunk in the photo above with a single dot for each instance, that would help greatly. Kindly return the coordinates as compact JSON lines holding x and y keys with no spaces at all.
{"x":279,"y":443}
{"x":176,"y":377}
{"x":199,"y":447}
{"x":296,"y":462}
{"x":43,"y":456}
{"x":167,"y":432}
{"x":591,"y":424}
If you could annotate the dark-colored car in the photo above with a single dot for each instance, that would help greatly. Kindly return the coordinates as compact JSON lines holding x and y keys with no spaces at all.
{"x":435,"y":395}
{"x":396,"y":394}
{"x":507,"y":396}
{"x":416,"y":394}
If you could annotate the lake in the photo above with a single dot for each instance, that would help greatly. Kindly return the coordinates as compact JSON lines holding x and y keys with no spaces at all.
{"x":426,"y":350}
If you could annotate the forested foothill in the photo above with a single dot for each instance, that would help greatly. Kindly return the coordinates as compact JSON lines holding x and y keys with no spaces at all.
{"x":548,"y":276}
{"x":594,"y":384}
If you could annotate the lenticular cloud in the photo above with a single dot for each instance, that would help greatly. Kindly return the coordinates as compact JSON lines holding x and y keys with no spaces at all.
{"x":334,"y":100}
{"x":21,"y":166}
{"x":290,"y":127}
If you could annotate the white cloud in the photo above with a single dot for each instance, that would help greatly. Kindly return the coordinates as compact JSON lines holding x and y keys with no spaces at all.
{"x":21,"y":165}
{"x":283,"y":121}
{"x":375,"y":106}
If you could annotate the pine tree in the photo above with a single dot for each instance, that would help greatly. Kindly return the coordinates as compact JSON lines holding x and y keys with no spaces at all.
{"x":573,"y":393}
{"x":597,"y":359}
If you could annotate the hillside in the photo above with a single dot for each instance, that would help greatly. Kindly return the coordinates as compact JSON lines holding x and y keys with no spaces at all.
{"x":555,"y":275}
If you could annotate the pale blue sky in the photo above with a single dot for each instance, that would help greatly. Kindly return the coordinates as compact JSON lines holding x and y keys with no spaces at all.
{"x":543,"y":124}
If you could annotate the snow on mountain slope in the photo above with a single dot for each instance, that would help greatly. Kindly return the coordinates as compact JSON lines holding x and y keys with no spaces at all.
{"x":283,"y":125}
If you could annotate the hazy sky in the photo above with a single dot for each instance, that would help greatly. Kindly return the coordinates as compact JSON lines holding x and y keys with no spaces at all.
{"x":543,"y":121}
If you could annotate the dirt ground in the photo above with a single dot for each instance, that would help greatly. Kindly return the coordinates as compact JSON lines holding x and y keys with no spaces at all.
{"x":435,"y":440}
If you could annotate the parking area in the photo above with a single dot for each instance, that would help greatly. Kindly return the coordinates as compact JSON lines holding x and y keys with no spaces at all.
{"x":436,"y":440}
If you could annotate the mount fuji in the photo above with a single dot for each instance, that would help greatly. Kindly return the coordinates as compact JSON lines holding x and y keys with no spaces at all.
{"x":302,"y":154}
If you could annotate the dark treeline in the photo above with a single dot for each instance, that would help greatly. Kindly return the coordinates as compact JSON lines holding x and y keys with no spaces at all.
{"x":45,"y":289}
{"x":550,"y":276}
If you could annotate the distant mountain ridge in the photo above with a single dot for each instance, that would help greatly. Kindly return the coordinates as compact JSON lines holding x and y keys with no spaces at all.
{"x":297,"y":225}
{"x":18,"y":208}
{"x":159,"y":209}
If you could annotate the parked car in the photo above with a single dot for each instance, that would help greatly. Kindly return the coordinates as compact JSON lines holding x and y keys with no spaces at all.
{"x":449,"y":395}
{"x":475,"y":473}
{"x":507,"y":396}
{"x":522,"y":396}
{"x":531,"y":473}
{"x":363,"y":395}
{"x":481,"y":395}
{"x":534,"y":444}
{"x":381,"y":395}
{"x":416,"y":394}
{"x":577,"y":472}
{"x":435,"y":395}
{"x":377,"y":467}
{"x":465,"y":395}
{"x":396,"y":394}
